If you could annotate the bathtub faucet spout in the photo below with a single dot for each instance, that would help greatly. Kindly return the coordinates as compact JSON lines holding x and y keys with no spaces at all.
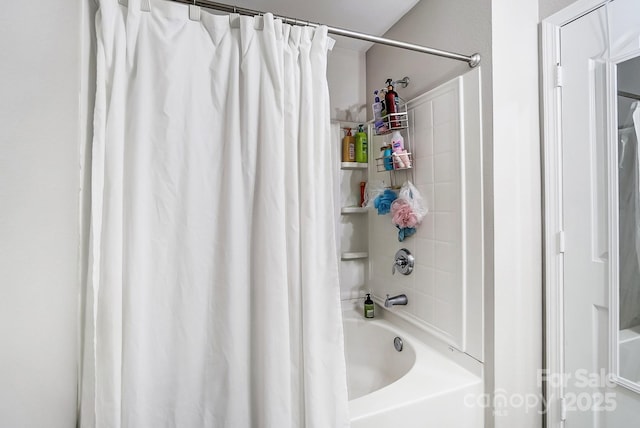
{"x":400,"y":299}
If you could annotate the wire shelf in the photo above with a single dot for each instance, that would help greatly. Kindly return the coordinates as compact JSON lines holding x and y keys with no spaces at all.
{"x":394,"y":162}
{"x":394,"y":121}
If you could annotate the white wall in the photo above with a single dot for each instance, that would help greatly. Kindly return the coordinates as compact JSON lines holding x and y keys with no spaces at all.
{"x":517,"y":341}
{"x":549,"y":7}
{"x":39,"y":173}
{"x":346,"y":77}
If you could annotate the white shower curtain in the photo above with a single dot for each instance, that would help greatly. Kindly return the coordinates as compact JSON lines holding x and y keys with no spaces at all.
{"x":213,"y":296}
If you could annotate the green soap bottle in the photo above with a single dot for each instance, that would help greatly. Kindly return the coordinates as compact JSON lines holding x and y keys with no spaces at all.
{"x":362,"y":146}
{"x":368,"y":307}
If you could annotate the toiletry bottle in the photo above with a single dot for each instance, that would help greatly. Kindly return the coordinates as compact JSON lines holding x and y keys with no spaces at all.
{"x":400,"y":153}
{"x":362,"y":148}
{"x":348,"y":147}
{"x":397,"y":147}
{"x":406,"y":160}
{"x":363,"y":187}
{"x":397,"y":162}
{"x":377,"y":107}
{"x":368,"y":307}
{"x":397,"y":142}
{"x":392,"y":102}
{"x":386,"y":155}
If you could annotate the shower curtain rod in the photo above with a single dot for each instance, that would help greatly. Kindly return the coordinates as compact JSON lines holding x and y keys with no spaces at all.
{"x":472,"y":60}
{"x":629,"y":95}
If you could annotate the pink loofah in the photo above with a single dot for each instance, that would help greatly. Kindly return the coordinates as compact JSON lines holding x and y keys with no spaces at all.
{"x":403,"y":214}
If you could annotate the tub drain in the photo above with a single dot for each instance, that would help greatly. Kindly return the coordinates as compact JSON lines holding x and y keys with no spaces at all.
{"x":397,"y":342}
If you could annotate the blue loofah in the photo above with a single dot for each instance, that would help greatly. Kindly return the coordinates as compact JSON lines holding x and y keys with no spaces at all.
{"x":405,"y":232}
{"x":384,"y":200}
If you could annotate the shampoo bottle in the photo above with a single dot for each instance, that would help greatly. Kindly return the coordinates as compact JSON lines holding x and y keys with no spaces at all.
{"x":368,"y":307}
{"x":362,"y":147}
{"x":348,"y":147}
{"x":377,"y":107}
{"x":397,"y":147}
{"x":392,"y":101}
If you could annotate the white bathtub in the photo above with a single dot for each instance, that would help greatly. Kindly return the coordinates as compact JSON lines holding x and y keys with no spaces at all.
{"x":630,"y":353}
{"x":417,"y":387}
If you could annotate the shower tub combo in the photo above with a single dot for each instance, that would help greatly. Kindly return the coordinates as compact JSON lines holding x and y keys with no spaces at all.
{"x":416,"y":387}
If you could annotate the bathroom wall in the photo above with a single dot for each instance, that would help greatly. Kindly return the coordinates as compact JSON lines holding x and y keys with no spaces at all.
{"x":549,"y":7}
{"x":445,"y":289}
{"x":463,"y":27}
{"x":39,"y":184}
{"x":517,"y":286}
{"x":347,"y":83}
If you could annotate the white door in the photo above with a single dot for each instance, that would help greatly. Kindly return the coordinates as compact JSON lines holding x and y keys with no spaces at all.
{"x":589,"y":399}
{"x":584,"y":216}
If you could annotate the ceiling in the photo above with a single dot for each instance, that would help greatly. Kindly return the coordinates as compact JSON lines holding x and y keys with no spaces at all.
{"x":365,"y":16}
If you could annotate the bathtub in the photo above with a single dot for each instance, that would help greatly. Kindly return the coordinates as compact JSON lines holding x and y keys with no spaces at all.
{"x":629,"y":340}
{"x":417,"y":387}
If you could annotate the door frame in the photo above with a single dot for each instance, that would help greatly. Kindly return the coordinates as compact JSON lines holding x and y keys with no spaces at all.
{"x":553,"y":245}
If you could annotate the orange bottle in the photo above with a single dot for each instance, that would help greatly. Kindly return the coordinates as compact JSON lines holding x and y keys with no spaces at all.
{"x":348,"y":147}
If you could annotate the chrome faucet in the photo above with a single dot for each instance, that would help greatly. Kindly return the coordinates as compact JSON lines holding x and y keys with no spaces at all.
{"x":400,"y":299}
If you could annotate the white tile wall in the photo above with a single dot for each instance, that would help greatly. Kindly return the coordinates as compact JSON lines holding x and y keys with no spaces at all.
{"x":437,"y":288}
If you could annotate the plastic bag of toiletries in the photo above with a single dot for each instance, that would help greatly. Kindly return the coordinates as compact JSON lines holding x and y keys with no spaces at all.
{"x":408,"y":211}
{"x":372,"y":190}
{"x":410,"y":193}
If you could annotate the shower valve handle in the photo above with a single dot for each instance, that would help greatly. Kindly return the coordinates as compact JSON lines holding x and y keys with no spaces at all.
{"x":403,"y":262}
